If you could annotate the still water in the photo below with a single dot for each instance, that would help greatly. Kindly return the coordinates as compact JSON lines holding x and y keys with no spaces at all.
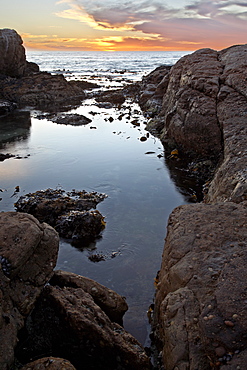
{"x":107,"y":157}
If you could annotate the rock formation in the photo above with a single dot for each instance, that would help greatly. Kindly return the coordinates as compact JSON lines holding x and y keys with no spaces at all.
{"x":199,"y":108}
{"x":28,"y":254}
{"x":76,"y":318}
{"x":22,"y":83}
{"x":13,"y":57}
{"x":72,"y":317}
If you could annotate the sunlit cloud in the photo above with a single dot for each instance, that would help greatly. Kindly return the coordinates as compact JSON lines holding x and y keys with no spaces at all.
{"x":195,"y":23}
{"x":147,"y":25}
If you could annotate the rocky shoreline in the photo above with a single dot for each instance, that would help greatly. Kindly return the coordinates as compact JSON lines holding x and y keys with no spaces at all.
{"x":198,"y":110}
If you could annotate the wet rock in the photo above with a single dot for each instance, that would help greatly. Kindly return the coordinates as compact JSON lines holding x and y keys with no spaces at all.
{"x":71,"y":119}
{"x":42,"y":90}
{"x":115,"y":97}
{"x":80,"y":224}
{"x":200,"y":302}
{"x":68,"y":212}
{"x":68,"y":322}
{"x":6,"y":107}
{"x":28,"y":254}
{"x":5,"y":156}
{"x":49,"y":363}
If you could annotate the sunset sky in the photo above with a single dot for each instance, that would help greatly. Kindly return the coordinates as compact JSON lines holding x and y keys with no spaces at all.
{"x":126,"y":25}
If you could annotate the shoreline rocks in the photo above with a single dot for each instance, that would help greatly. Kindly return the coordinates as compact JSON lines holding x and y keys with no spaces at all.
{"x":23,"y":85}
{"x":28,"y":255}
{"x":72,"y":214}
{"x":199,"y":317}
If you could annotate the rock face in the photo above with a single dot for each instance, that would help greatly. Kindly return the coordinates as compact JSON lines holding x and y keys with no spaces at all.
{"x":200,"y":307}
{"x":200,"y":314}
{"x":76,"y":319}
{"x":22,"y":83}
{"x":13,"y":58}
{"x":203,"y":115}
{"x":28,"y":255}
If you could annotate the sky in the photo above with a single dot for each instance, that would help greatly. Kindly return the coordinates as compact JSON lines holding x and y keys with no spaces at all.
{"x":112,"y":25}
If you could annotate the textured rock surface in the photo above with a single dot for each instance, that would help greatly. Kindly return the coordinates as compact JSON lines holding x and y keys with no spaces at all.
{"x":49,"y":363}
{"x":28,"y":253}
{"x":69,"y":213}
{"x":42,"y":90}
{"x":203,"y":115}
{"x":69,"y":323}
{"x":13,"y":58}
{"x":200,"y":305}
{"x":109,"y":301}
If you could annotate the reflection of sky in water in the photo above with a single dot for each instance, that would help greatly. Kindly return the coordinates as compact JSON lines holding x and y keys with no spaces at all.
{"x":110,"y":159}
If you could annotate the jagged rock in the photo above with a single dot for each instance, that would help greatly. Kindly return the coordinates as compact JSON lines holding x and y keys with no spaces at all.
{"x":42,"y":90}
{"x":109,"y":301}
{"x":203,"y":115}
{"x":68,"y":212}
{"x":6,"y":107}
{"x":200,"y":303}
{"x":49,"y":363}
{"x":69,"y":323}
{"x":13,"y":58}
{"x":28,"y":254}
{"x":230,"y":180}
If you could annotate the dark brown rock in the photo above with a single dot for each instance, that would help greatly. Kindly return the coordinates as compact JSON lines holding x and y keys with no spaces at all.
{"x":42,"y":90}
{"x":28,"y":255}
{"x":109,"y":301}
{"x":68,"y":212}
{"x":71,"y":119}
{"x":201,"y":287}
{"x":49,"y":363}
{"x":13,"y":58}
{"x":68,"y":322}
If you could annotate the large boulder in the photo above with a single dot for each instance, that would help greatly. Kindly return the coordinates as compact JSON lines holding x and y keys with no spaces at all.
{"x":200,"y":305}
{"x":28,"y":254}
{"x":75,"y":318}
{"x":13,"y":58}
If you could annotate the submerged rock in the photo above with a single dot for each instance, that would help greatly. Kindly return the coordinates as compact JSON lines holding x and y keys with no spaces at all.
{"x":71,"y":119}
{"x":68,"y":212}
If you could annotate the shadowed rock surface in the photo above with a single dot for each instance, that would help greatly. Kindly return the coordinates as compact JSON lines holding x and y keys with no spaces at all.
{"x":200,"y":304}
{"x":49,"y":363}
{"x":28,"y":254}
{"x":13,"y":57}
{"x":72,"y":320}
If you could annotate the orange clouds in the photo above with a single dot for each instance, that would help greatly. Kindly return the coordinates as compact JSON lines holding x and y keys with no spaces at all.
{"x":146,"y":25}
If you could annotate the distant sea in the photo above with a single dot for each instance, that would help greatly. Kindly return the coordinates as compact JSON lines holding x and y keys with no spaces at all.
{"x":111,"y":69}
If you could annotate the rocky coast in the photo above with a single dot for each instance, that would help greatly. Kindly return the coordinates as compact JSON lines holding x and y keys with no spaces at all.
{"x":198,"y":108}
{"x":199,"y":111}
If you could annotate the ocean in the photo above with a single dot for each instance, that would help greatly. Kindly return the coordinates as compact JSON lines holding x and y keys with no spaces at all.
{"x":109,"y":159}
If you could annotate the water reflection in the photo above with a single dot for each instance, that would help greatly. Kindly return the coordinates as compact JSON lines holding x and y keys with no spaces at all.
{"x":14,"y":127}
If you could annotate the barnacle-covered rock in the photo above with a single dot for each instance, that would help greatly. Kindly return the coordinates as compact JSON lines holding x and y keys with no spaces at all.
{"x":80,"y":224}
{"x":72,"y":213}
